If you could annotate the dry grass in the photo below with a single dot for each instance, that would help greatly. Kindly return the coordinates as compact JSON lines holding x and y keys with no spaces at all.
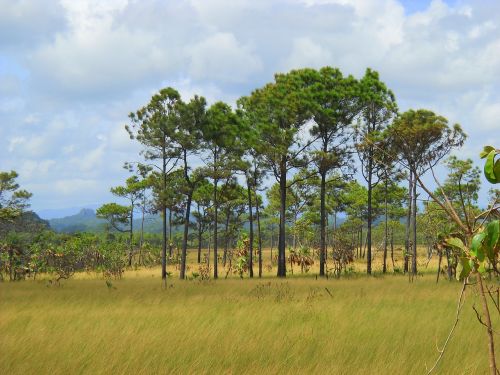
{"x":377,"y":325}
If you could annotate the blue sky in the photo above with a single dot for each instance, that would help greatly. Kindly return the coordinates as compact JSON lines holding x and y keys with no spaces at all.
{"x":71,"y":71}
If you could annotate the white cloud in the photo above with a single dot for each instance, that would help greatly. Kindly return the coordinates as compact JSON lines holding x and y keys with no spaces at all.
{"x":76,"y":186}
{"x":97,"y":56}
{"x":306,"y":53}
{"x":220,"y":57}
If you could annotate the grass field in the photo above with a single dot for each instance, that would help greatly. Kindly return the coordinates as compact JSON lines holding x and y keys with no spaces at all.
{"x":376,"y":325}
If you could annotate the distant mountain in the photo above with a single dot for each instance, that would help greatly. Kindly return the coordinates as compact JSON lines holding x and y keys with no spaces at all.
{"x":86,"y":221}
{"x":28,"y":222}
{"x":54,"y":213}
{"x":83,"y":221}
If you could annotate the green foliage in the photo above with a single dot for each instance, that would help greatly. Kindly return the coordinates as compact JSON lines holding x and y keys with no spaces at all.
{"x":12,"y":199}
{"x":423,"y":138}
{"x":483,"y":251}
{"x":491,"y":166}
{"x":116,"y":215}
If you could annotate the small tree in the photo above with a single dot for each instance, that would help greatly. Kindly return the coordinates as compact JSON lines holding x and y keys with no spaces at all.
{"x":133,"y":191}
{"x":335,"y":104}
{"x":378,"y":108}
{"x":422,"y":139}
{"x":153,"y":126}
{"x":220,"y":134}
{"x":279,"y":111}
{"x":186,"y":138}
{"x":13,"y":200}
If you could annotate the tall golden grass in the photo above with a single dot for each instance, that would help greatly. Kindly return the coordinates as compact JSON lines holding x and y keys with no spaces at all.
{"x":359,"y":325}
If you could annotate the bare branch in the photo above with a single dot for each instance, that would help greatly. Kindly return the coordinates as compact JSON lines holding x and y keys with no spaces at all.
{"x":461,"y":301}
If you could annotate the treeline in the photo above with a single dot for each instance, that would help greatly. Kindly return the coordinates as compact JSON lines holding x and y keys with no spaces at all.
{"x":207,"y":167}
{"x":278,"y":171}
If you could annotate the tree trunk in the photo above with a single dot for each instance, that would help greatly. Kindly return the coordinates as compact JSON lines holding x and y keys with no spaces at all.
{"x":322,"y":243}
{"x":392,"y":248}
{"x":491,"y":342}
{"x":185,"y":238}
{"x":414,"y":215}
{"x":226,"y":238}
{"x":199,"y":235}
{"x":384,"y":267}
{"x":131,"y":237}
{"x":369,"y":222}
{"x":439,"y":266}
{"x":216,"y":224}
{"x":259,"y":234}
{"x":408,"y":219}
{"x":281,"y":241}
{"x":164,"y":245}
{"x":164,"y":224}
{"x":250,"y":216}
{"x":170,"y":250}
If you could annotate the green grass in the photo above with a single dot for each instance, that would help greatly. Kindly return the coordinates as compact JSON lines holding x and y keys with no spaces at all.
{"x":382,"y":325}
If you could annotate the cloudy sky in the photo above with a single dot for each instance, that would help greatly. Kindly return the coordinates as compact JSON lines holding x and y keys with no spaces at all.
{"x":71,"y":70}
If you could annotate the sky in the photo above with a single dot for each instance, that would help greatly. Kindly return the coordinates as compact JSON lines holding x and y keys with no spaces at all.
{"x":71,"y":71}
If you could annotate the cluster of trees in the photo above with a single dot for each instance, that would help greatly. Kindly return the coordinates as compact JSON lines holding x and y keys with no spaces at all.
{"x":303,"y":130}
{"x":279,"y":170}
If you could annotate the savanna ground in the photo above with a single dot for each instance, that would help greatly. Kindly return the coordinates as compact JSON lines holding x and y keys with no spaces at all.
{"x":352,"y":325}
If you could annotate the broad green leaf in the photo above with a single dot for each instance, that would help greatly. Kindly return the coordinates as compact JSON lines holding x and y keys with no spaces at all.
{"x":493,"y":237}
{"x":496,"y":170}
{"x":456,"y":242}
{"x":493,"y":231}
{"x":489,"y":168}
{"x":476,"y":247}
{"x":465,"y":268}
{"x":486,"y":151}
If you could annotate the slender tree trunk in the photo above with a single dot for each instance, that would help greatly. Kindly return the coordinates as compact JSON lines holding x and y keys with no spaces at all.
{"x":164,"y":245}
{"x":259,"y":234}
{"x":281,"y":241}
{"x":250,"y":216}
{"x":489,"y":327}
{"x":408,"y":220}
{"x":414,"y":221}
{"x":216,"y":225}
{"x":327,"y":242}
{"x":384,"y":267}
{"x":185,"y":238}
{"x":226,"y":238}
{"x":369,"y":224}
{"x":142,"y":228}
{"x":131,"y":237}
{"x":322,"y":243}
{"x":170,"y":249}
{"x":439,"y":266}
{"x":164,"y":224}
{"x":392,"y":248}
{"x":199,"y":234}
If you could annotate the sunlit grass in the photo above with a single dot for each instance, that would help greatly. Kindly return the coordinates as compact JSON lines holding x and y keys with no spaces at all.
{"x":377,"y":325}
